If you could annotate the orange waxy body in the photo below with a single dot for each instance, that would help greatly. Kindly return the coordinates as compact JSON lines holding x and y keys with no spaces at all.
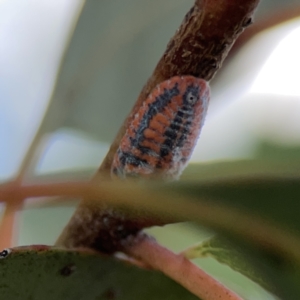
{"x":164,"y":131}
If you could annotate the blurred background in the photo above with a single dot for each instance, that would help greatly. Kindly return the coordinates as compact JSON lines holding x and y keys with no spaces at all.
{"x":71,"y":70}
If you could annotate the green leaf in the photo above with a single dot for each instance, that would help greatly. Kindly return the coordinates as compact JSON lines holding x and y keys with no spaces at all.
{"x":229,"y":254}
{"x":260,"y":215}
{"x":41,"y":272}
{"x":276,"y":152}
{"x":257,"y":209}
{"x":215,"y":172}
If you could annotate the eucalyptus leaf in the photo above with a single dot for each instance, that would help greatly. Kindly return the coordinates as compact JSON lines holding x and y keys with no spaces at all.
{"x":260,"y":215}
{"x":227,"y":253}
{"x":41,"y":272}
{"x":247,"y":169}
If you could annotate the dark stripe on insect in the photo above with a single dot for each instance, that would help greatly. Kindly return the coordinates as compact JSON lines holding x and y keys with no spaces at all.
{"x":130,"y":159}
{"x":188,"y":107}
{"x":146,"y":150}
{"x":179,"y":126}
{"x":141,"y":148}
{"x":154,"y":108}
{"x":171,"y":134}
{"x":184,"y":134}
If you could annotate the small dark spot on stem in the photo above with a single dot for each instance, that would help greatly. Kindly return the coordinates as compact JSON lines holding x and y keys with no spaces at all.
{"x":189,"y":14}
{"x":213,"y":64}
{"x":247,"y":22}
{"x":68,"y":270}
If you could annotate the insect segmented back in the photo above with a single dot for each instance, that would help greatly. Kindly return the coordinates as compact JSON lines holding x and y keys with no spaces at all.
{"x":164,"y":131}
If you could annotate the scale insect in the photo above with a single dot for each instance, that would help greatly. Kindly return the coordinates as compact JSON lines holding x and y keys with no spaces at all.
{"x":163,"y":133}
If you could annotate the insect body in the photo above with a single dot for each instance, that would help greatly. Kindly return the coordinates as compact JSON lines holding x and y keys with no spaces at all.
{"x":163,"y":133}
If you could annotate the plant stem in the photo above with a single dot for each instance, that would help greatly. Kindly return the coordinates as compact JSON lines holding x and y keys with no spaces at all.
{"x":180,"y":270}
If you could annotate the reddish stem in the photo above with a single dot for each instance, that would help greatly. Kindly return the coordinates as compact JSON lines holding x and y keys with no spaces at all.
{"x":8,"y":224}
{"x":180,"y":270}
{"x":269,"y":21}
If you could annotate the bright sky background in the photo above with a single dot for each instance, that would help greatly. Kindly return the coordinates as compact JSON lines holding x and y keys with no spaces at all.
{"x":33,"y":34}
{"x":281,"y":72}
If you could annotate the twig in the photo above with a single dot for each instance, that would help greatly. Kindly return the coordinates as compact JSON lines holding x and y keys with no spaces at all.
{"x":8,"y":222}
{"x":277,"y":17}
{"x":179,"y":269}
{"x":198,"y":48}
{"x":6,"y":227}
